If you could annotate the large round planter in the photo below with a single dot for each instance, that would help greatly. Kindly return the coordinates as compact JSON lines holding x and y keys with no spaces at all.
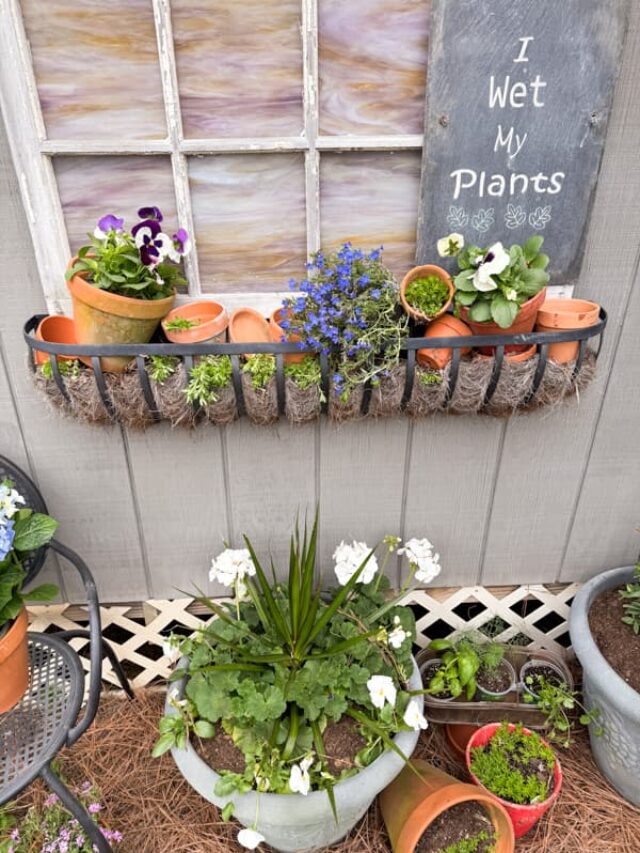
{"x":523,"y":817}
{"x":524,"y":323}
{"x":14,"y":663}
{"x":101,"y":317}
{"x":425,"y":271}
{"x":617,"y":749}
{"x":291,"y":822}
{"x":412,"y":802}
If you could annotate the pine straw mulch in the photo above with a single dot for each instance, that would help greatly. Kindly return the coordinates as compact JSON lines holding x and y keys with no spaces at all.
{"x":158,"y":812}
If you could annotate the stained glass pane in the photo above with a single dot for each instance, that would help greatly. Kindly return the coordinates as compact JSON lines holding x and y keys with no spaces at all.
{"x":92,"y":186}
{"x":373,"y":60}
{"x":249,"y":214}
{"x":96,"y":67}
{"x":372,"y":200}
{"x":239,"y":67}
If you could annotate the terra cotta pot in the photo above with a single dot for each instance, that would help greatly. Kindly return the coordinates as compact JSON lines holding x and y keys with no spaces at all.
{"x":277,"y":333}
{"x":248,"y":326}
{"x":562,"y":314}
{"x":446,"y":326}
{"x":414,"y":800}
{"x":14,"y":663}
{"x":211,"y":321}
{"x":55,"y":329}
{"x":423,"y":272}
{"x":102,"y":317}
{"x":524,"y":322}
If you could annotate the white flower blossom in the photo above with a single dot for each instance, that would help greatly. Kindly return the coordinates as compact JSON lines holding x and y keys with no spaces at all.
{"x":494,"y":262}
{"x":398,"y":635}
{"x":422,"y":559}
{"x":299,"y":781}
{"x":381,"y":689}
{"x":448,"y":247}
{"x":511,"y":294}
{"x":414,"y":718}
{"x":250,"y":838}
{"x":349,"y":558}
{"x":9,"y":499}
{"x":232,"y":566}
{"x":170,"y":648}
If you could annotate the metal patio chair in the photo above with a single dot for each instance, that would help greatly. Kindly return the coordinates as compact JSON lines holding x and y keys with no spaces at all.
{"x":46,"y":718}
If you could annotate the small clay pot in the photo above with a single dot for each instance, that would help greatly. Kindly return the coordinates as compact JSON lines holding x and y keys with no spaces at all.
{"x":211,"y":323}
{"x":14,"y":663}
{"x":563,"y":314}
{"x":278,"y":333}
{"x":425,"y":271}
{"x":414,"y":800}
{"x":446,"y":326}
{"x":55,"y":329}
{"x":524,"y":322}
{"x":248,"y":326}
{"x":458,"y":735}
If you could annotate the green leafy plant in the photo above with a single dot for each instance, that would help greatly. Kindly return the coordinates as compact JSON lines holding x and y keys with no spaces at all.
{"x":68,"y":369}
{"x":493,"y":283}
{"x":208,"y":377}
{"x":305,"y":373}
{"x":515,"y":766}
{"x":427,"y":294}
{"x":461,"y":659}
{"x":179,"y":323}
{"x":469,"y":845}
{"x":142,"y":264}
{"x":558,"y":702}
{"x":22,"y":531}
{"x":284,"y":661}
{"x":162,"y":367}
{"x":429,"y":377}
{"x":261,"y":368}
{"x":631,"y":606}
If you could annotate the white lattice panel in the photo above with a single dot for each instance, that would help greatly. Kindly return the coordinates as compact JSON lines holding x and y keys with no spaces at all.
{"x":137,"y":632}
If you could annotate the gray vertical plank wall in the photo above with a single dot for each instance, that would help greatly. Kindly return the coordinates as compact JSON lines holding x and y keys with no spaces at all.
{"x":541,"y":497}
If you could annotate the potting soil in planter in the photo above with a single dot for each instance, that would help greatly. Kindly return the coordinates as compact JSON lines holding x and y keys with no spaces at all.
{"x":465,"y":822}
{"x":495,"y":680}
{"x":616,"y":640}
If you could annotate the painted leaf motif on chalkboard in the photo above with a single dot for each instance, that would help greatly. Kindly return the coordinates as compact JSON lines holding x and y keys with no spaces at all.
{"x":539,"y":217}
{"x":483,"y":219}
{"x":515,"y":216}
{"x":457,"y":217}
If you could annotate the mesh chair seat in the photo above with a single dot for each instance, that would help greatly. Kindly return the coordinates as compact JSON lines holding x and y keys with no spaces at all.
{"x":34,"y":730}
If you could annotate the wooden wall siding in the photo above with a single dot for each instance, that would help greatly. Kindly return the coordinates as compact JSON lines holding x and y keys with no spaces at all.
{"x":536,"y":498}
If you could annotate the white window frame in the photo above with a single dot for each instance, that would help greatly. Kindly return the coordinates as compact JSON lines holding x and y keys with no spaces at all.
{"x":33,"y":152}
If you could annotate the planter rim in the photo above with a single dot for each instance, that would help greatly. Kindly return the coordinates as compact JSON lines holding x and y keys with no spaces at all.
{"x":417,"y":272}
{"x":214,"y":324}
{"x":600,"y":670}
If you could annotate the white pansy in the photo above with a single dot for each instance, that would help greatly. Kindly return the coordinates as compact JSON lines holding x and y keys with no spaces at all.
{"x":422,"y":558}
{"x":494,"y":262}
{"x":233,"y":565}
{"x":250,"y":838}
{"x":381,"y":689}
{"x":299,"y":781}
{"x":414,"y":718}
{"x":9,"y":500}
{"x":448,"y":247}
{"x":398,"y":635}
{"x":349,"y":558}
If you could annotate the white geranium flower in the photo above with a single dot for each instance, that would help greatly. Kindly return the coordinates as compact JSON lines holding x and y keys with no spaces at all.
{"x":170,"y":648}
{"x":349,"y":558}
{"x":422,"y":559}
{"x":414,"y":718}
{"x":381,"y":689}
{"x":511,"y":294}
{"x":448,"y":247}
{"x":232,"y":566}
{"x":9,"y":500}
{"x":250,"y":838}
{"x":299,"y":781}
{"x":493,"y":263}
{"x":398,"y":635}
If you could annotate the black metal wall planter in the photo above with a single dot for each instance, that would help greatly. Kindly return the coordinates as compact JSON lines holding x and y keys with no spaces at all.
{"x":494,"y":385}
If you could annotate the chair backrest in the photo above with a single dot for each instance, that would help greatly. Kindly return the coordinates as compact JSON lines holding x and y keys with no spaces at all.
{"x":34,"y":500}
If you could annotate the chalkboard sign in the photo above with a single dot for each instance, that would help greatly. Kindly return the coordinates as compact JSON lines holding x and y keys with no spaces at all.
{"x":518,"y":99}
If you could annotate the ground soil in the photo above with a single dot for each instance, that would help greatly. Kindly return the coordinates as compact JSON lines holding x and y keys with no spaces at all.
{"x":220,"y":752}
{"x":495,"y":680}
{"x":459,"y":823}
{"x":617,"y":642}
{"x":342,"y":742}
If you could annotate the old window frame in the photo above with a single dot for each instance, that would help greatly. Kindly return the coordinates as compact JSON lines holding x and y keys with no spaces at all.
{"x":33,"y":151}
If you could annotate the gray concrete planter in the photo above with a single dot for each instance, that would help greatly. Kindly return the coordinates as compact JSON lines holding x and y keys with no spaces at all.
{"x":291,"y":822}
{"x":617,"y":751}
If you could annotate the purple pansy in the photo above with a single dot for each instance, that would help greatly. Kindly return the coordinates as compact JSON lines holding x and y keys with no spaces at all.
{"x":181,"y":242}
{"x":151,"y":242}
{"x":106,"y":224}
{"x":150,"y":213}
